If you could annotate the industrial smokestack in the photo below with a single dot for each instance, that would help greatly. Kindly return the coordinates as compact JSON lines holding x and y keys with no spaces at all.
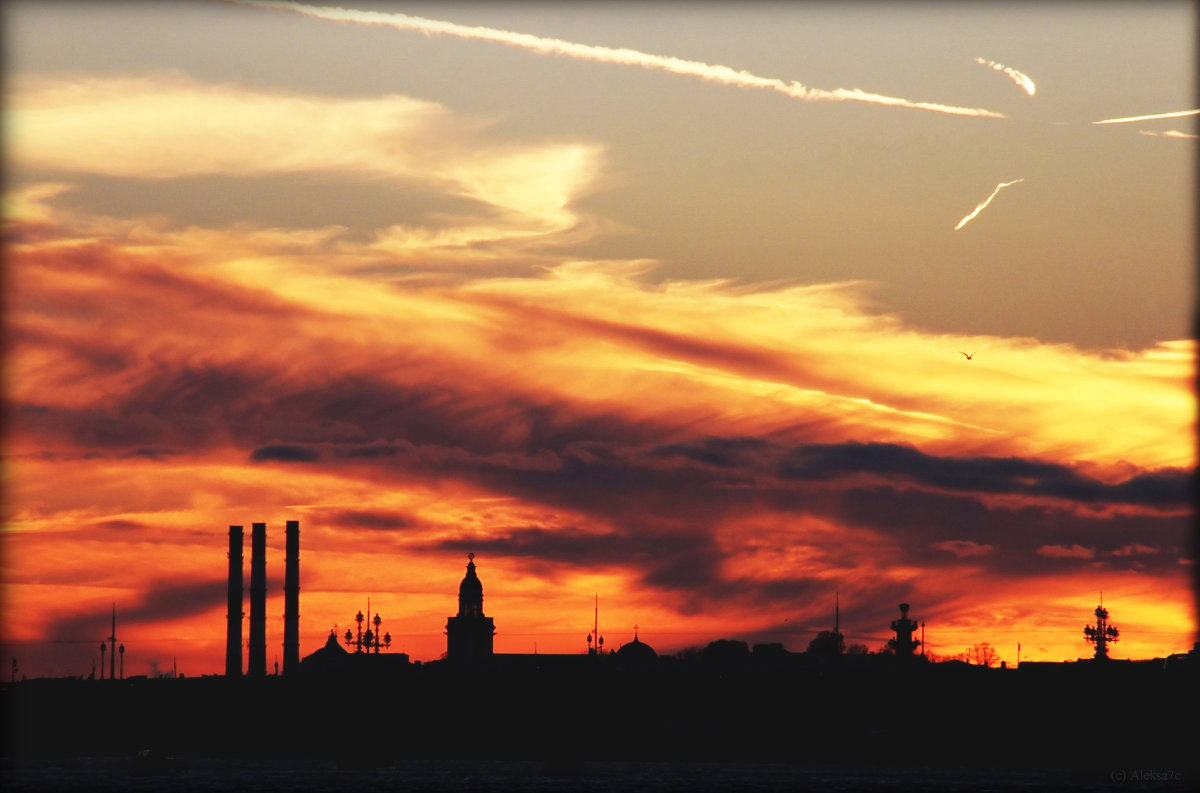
{"x":258,"y":601}
{"x":291,"y":599}
{"x":233,"y":633}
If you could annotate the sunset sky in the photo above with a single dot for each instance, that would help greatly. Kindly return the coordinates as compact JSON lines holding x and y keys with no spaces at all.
{"x":662,"y":304}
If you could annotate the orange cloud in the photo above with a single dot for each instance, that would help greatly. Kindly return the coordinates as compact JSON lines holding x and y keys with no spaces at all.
{"x":708,"y":458}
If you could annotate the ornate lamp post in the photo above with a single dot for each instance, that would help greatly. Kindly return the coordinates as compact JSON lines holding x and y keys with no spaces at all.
{"x":368,"y":640}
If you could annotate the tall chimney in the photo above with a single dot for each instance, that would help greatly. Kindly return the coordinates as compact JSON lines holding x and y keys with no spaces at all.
{"x":291,"y":599}
{"x":233,"y":630}
{"x":258,"y":601}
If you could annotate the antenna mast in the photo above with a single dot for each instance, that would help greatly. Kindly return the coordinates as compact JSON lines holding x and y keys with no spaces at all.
{"x":594,"y":639}
{"x":112,"y":659}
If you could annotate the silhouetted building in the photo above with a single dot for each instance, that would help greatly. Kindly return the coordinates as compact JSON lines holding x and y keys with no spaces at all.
{"x":291,"y":598}
{"x":258,"y":601}
{"x":333,"y":660}
{"x":233,"y":631}
{"x":469,"y":635}
{"x":904,"y":645}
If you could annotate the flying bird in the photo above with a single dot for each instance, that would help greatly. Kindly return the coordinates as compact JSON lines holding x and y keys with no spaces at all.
{"x":969,"y":357}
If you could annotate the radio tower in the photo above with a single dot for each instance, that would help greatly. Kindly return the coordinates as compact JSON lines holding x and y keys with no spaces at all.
{"x":1101,"y":634}
{"x":112,"y":639}
{"x":595,"y":634}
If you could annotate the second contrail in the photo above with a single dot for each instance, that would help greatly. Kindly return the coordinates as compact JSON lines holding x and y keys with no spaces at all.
{"x":980,"y":208}
{"x":548,"y":46}
{"x":1177,"y":114}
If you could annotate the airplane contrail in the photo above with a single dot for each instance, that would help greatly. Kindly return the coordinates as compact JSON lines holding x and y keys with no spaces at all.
{"x":980,"y":208}
{"x":1170,"y":133}
{"x":1017,"y":77}
{"x":1178,"y":114}
{"x":548,"y":46}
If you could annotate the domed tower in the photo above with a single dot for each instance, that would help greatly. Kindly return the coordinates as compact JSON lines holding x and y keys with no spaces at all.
{"x":469,"y":634}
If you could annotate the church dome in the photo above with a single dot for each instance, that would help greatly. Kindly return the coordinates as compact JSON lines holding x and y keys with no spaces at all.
{"x":471,"y":587}
{"x":637,"y":651}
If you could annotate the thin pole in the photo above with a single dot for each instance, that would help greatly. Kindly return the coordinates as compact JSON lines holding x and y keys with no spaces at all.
{"x":112,"y":659}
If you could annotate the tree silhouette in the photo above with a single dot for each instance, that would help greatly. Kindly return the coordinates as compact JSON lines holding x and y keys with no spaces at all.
{"x":982,"y":654}
{"x":828,"y":642}
{"x":725,"y":650}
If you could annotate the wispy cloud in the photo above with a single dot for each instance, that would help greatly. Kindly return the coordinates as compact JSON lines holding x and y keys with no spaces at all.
{"x":170,"y":126}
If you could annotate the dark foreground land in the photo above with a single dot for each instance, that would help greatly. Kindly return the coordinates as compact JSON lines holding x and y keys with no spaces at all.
{"x":1088,"y":726}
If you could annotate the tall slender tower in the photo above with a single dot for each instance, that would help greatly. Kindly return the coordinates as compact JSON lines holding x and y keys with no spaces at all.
{"x":112,"y":659}
{"x":258,"y":601}
{"x":291,"y":599}
{"x":233,"y":628}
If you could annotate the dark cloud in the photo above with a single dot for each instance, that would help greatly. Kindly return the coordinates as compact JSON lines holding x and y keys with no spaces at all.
{"x":283,"y":452}
{"x":116,"y":525}
{"x":367,"y":519}
{"x":992,"y":475}
{"x":160,"y":600}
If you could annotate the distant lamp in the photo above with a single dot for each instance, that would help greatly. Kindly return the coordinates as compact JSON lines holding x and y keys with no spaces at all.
{"x":368,"y":640}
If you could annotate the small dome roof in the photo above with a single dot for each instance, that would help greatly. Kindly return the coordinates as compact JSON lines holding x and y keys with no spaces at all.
{"x":471,"y":587}
{"x":636,"y":651}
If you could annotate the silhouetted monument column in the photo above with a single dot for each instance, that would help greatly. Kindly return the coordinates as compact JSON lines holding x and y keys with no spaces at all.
{"x":258,"y":601}
{"x":291,"y":599}
{"x":904,"y":644}
{"x":469,"y":634}
{"x":233,"y":629}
